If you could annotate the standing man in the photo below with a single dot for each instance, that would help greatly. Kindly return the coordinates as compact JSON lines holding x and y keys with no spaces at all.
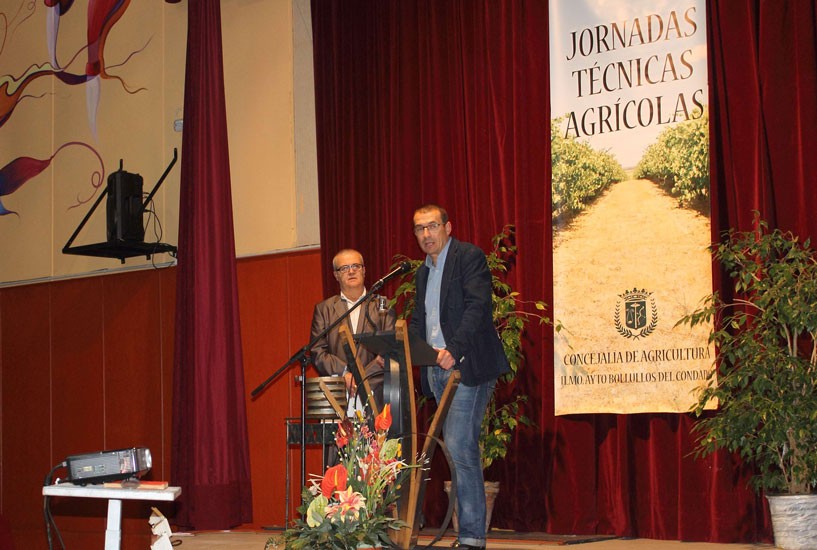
{"x":327,"y":353}
{"x":453,"y":310}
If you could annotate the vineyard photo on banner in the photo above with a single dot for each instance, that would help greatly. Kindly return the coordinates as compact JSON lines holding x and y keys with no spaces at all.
{"x":630,"y":204}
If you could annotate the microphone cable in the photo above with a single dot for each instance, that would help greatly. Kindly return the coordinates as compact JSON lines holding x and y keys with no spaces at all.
{"x":368,"y":312}
{"x":47,"y":515}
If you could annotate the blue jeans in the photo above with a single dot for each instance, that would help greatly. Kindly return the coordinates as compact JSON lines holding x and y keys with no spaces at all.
{"x":461,"y":434}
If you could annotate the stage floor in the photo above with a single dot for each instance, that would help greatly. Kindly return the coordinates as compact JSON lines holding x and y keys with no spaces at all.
{"x":246,"y":540}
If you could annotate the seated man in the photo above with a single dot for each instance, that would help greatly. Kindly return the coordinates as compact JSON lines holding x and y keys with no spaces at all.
{"x":327,"y":353}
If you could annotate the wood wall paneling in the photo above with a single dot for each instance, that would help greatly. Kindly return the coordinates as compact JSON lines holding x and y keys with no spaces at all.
{"x":78,"y":367}
{"x":305,"y":282}
{"x":26,"y":400}
{"x":276,"y":313}
{"x":168,"y":337}
{"x":132,"y":348}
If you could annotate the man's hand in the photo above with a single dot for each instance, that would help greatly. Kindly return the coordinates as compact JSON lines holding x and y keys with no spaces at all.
{"x":445,"y":359}
{"x":349,"y":380}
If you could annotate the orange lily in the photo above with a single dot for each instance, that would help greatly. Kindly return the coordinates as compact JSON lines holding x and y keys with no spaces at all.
{"x":382,"y":421}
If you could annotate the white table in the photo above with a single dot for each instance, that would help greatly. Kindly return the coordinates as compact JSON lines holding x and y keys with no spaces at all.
{"x":115,"y":496}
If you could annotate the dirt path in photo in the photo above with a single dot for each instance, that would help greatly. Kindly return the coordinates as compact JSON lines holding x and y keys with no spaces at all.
{"x":633,"y":237}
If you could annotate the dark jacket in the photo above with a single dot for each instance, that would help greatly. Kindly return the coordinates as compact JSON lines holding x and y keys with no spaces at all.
{"x":465,"y":314}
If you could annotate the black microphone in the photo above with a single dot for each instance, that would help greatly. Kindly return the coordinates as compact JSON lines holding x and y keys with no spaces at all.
{"x":404,"y":267}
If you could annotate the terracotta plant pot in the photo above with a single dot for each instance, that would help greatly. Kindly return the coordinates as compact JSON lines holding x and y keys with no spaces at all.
{"x":491,"y":491}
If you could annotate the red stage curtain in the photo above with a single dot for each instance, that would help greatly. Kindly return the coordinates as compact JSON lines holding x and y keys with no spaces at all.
{"x":764,"y":132}
{"x":447,"y":102}
{"x":210,"y":450}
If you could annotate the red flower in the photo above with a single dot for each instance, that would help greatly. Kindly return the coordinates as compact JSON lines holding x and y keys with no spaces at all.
{"x":345,"y":431}
{"x":334,"y":480}
{"x":382,"y":421}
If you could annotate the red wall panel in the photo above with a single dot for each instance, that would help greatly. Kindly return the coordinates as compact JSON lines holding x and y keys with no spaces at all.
{"x":78,"y":384}
{"x":26,"y":400}
{"x":132,"y":360}
{"x":275,"y":317}
{"x":167,"y":298}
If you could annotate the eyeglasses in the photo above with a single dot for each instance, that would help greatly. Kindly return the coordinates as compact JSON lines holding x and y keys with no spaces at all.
{"x":349,"y":267}
{"x":432,"y":227}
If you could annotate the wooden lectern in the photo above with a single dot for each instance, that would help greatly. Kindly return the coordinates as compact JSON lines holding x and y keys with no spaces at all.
{"x":398,"y":391}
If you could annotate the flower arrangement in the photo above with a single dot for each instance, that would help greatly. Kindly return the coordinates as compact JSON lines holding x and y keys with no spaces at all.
{"x":353,"y":504}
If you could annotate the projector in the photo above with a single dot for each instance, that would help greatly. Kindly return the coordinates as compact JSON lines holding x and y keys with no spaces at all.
{"x":108,"y":465}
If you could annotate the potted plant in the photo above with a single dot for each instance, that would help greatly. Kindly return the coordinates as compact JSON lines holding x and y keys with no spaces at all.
{"x":503,"y":415}
{"x":352,"y":504}
{"x":765,"y":383}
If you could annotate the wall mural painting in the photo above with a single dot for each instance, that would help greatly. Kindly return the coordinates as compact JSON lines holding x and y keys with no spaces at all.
{"x":22,"y":169}
{"x":102,"y":16}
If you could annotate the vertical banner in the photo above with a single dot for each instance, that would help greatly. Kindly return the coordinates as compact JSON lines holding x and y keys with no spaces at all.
{"x":630,"y":203}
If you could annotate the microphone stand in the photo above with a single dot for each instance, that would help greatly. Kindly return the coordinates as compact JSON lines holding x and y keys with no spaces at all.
{"x":303,"y":357}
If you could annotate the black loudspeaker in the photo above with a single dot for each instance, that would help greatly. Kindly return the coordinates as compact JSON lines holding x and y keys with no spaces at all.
{"x":125,"y":207}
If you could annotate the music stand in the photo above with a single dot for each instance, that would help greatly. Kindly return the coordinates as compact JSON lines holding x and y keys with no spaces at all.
{"x":386,"y":344}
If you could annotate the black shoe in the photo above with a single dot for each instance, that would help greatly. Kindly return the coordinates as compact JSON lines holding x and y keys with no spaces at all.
{"x":461,"y":546}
